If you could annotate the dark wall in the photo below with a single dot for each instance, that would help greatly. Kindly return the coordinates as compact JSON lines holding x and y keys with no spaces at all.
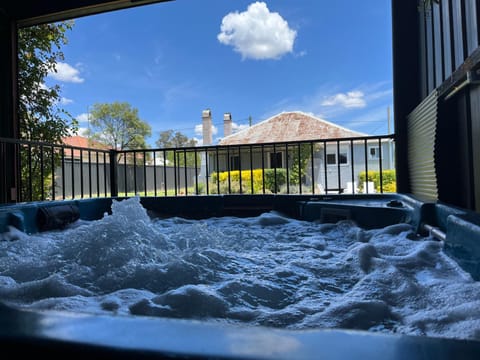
{"x":406,"y":90}
{"x":8,"y":127}
{"x":445,"y":45}
{"x":453,"y":155}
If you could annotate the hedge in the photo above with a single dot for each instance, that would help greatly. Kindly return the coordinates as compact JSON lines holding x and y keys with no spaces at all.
{"x":246,"y":176}
{"x":388,"y":180}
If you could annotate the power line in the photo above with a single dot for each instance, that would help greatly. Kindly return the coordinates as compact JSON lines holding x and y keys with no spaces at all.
{"x":243,"y":121}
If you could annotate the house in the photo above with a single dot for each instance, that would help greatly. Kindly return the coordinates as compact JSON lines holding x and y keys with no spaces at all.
{"x":338,"y":155}
{"x":79,"y":145}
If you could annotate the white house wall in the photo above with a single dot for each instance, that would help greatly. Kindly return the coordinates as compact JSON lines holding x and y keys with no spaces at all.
{"x":335,"y":176}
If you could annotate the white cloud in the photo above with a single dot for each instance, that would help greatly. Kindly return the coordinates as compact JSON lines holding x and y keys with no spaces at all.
{"x":82,"y":118}
{"x":65,"y":101}
{"x":82,"y":131}
{"x":238,"y":127}
{"x":257,"y":33}
{"x":66,"y":73}
{"x":352,"y":99}
{"x":199,"y":129}
{"x":301,"y":54}
{"x":325,"y":103}
{"x":198,"y":141}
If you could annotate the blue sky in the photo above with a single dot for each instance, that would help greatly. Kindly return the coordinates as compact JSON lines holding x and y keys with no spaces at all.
{"x":252,"y":59}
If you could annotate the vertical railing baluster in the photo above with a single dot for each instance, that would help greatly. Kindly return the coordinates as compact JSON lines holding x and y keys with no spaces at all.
{"x":125,"y":178}
{"x":155,"y":173}
{"x":313,"y":167}
{"x":352,"y":167}
{"x":97,"y":167}
{"x":134,"y":154}
{"x":42,"y":174}
{"x":196,"y":169}
{"x":175,"y":169}
{"x":240,"y":168}
{"x":206,"y":171}
{"x":339,"y":183}
{"x":90,"y":173}
{"x":275,"y":169}
{"x":185,"y":170}
{"x":30,"y":181}
{"x":145,"y":172}
{"x":251,"y":169}
{"x":228,"y":170}
{"x":218,"y":170}
{"x":380,"y":163}
{"x":20,"y":177}
{"x":325,"y":167}
{"x":81,"y":174}
{"x":287,"y":166}
{"x":105,"y":173}
{"x":263,"y":167}
{"x":53,"y":171}
{"x":299,"y":168}
{"x":113,"y":173}
{"x":165,"y":172}
{"x":366,"y":166}
{"x":72,"y":159}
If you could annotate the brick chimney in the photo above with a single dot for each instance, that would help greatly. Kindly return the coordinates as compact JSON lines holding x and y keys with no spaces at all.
{"x":227,"y":124}
{"x":207,"y":127}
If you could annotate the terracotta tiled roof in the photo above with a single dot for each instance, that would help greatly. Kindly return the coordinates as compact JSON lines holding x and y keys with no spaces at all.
{"x":82,"y":142}
{"x":289,"y":126}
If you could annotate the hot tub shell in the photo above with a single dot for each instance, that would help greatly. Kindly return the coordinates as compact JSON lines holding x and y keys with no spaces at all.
{"x":56,"y":333}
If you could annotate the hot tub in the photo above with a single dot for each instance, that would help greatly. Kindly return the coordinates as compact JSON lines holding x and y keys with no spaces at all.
{"x":66,"y":332}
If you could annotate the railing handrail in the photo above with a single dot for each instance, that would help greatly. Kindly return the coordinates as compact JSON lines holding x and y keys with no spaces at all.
{"x":198,"y":148}
{"x":46,"y":144}
{"x":291,"y":142}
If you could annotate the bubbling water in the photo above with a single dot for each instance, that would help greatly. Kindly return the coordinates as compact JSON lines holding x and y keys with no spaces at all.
{"x":268,"y":270}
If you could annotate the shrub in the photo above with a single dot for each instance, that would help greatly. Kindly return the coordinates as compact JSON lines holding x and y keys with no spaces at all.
{"x":246,"y":175}
{"x":391,"y":187}
{"x":201,"y":188}
{"x":270,"y":182}
{"x":388,"y":180}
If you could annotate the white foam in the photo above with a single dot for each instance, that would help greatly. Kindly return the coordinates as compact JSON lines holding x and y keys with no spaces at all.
{"x":267,"y":270}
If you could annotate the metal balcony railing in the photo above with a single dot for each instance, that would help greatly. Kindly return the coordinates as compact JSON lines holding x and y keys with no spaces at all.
{"x":325,"y":166}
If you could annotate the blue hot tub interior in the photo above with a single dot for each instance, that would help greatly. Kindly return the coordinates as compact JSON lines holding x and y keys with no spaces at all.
{"x":121,"y":337}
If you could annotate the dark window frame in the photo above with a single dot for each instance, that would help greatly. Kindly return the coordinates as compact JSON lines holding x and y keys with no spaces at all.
{"x":276,"y":159}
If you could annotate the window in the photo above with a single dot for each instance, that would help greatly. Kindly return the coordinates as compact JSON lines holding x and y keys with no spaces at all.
{"x":373,"y":153}
{"x":332,"y":158}
{"x":343,"y":158}
{"x":234,"y":162}
{"x":275,"y":160}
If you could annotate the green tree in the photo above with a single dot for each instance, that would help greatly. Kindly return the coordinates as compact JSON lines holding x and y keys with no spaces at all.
{"x":300,"y":159}
{"x":118,"y":126}
{"x":39,"y":52}
{"x":170,"y":139}
{"x":40,"y":117}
